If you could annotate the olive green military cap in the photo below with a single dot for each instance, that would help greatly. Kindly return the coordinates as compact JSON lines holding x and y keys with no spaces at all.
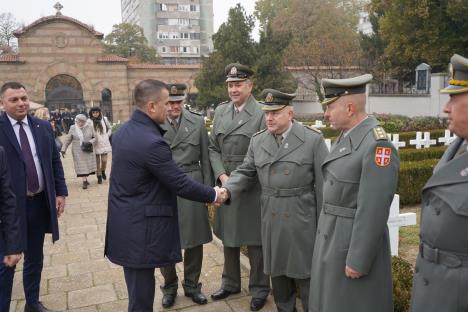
{"x":458,"y":80}
{"x":275,"y":100}
{"x":333,"y":89}
{"x":237,"y":72}
{"x":176,"y":91}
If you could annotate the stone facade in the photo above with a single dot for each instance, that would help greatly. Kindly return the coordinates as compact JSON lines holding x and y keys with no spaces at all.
{"x":55,"y":48}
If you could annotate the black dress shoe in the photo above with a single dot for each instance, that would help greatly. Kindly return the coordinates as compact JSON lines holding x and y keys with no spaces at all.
{"x":256,"y":304}
{"x":104,"y":177}
{"x":223,"y":294}
{"x":197,"y":297}
{"x":168,"y":301}
{"x":38,"y":307}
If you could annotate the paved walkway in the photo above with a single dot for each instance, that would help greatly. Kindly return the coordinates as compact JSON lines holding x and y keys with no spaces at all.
{"x":77,"y":277}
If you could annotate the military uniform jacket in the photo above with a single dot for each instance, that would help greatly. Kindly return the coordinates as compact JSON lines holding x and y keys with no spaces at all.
{"x":360,"y":179}
{"x":441,"y":280}
{"x":291,"y":180}
{"x":238,"y":224}
{"x":189,"y":145}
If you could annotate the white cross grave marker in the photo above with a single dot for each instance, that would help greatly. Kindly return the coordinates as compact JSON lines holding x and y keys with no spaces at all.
{"x":396,"y":141}
{"x":447,"y":139}
{"x":397,"y":220}
{"x":328,"y":144}
{"x":425,"y":142}
{"x":318,"y":124}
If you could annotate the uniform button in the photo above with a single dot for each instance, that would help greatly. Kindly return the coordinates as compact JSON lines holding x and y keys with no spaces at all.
{"x":325,"y":236}
{"x":286,"y":215}
{"x":426,"y":282}
{"x":437,"y":211}
{"x":318,"y":231}
{"x":286,"y":172}
{"x":331,"y":182}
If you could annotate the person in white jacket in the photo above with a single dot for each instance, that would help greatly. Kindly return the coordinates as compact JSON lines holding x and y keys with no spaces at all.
{"x":102,"y":146}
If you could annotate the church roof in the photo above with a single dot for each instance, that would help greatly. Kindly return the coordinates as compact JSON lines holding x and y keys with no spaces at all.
{"x":53,"y":18}
{"x":10,"y":58}
{"x":163,"y":66}
{"x":111,"y":58}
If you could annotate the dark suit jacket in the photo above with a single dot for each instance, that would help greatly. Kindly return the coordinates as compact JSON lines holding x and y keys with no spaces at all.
{"x":54,"y":181}
{"x":10,"y":239}
{"x":142,"y":222}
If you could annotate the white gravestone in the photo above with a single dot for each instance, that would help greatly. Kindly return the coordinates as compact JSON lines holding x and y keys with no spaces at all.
{"x":397,"y":220}
{"x":318,"y":124}
{"x":447,"y":139}
{"x":396,"y":141}
{"x":425,"y":142}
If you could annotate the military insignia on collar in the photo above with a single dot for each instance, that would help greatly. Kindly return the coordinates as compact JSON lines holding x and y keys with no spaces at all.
{"x":269,"y":98}
{"x":173,"y":90}
{"x":464,"y":172}
{"x":383,"y":156}
{"x":233,"y":71}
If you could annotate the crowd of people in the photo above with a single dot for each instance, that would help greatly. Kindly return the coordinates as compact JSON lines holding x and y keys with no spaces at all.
{"x":314,"y":221}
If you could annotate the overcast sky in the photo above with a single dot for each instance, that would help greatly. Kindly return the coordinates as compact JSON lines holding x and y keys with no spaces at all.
{"x":102,"y":14}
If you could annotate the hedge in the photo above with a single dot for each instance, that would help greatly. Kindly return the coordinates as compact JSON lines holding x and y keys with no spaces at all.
{"x":413,"y":176}
{"x":412,"y":154}
{"x":402,"y":275}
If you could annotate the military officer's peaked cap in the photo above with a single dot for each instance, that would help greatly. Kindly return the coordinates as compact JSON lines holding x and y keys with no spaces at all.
{"x":237,"y":72}
{"x":458,"y":80}
{"x":275,"y":100}
{"x":333,"y":89}
{"x":176,"y":91}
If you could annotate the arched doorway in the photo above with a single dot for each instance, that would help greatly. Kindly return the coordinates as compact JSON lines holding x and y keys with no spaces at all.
{"x":64,"y":91}
{"x":106,"y":103}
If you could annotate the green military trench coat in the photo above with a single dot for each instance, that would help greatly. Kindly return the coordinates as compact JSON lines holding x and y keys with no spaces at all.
{"x":441,"y":277}
{"x":360,"y":179}
{"x":189,"y":147}
{"x":239,"y":224}
{"x":291,"y":180}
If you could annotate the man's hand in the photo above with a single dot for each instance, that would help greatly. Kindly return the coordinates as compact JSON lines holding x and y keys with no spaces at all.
{"x":223,"y":179}
{"x":60,"y":205}
{"x":221,"y":196}
{"x":350,"y":273}
{"x":11,"y":260}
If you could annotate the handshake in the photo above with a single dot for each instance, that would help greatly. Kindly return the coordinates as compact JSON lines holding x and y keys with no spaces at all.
{"x":222,"y":195}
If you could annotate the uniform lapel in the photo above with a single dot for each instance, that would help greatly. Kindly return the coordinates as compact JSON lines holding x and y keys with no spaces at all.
{"x":294,"y":139}
{"x":269,"y":145}
{"x":341,"y":149}
{"x":185,"y":129}
{"x":6,"y":127}
{"x":449,"y":153}
{"x":242,"y":117}
{"x":170,"y":132}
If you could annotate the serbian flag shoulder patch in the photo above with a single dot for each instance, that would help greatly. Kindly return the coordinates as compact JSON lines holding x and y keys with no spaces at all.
{"x":383,"y":156}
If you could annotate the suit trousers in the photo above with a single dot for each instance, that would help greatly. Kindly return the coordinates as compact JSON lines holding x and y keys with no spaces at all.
{"x":140,"y":286}
{"x":37,"y":216}
{"x":284,"y":292}
{"x":193,"y":258}
{"x":259,"y":282}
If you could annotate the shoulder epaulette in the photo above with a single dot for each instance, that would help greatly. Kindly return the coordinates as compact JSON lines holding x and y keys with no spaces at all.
{"x":314,"y":129}
{"x":222,"y":103}
{"x":380,"y":134}
{"x":261,"y":131}
{"x":195,"y":113}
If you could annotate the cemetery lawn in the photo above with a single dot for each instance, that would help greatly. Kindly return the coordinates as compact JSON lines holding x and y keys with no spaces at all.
{"x":409,"y":236}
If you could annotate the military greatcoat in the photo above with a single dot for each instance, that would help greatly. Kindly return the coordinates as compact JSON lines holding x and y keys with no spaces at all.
{"x":441,"y":277}
{"x":189,"y":145}
{"x":360,"y":179}
{"x":291,"y":180}
{"x":238,"y":224}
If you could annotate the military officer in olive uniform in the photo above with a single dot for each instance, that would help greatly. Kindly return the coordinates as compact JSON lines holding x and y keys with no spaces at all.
{"x":351,"y":265}
{"x":187,"y":136}
{"x":287,"y":159}
{"x":239,"y":225}
{"x":441,"y":277}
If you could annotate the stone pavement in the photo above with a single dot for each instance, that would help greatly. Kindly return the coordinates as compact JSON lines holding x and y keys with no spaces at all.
{"x":77,"y":277}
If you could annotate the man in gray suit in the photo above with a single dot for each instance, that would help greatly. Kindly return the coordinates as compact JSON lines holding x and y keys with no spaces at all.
{"x":351,"y":265}
{"x":187,"y":136}
{"x":441,"y":277}
{"x":234,"y":124}
{"x":287,"y":159}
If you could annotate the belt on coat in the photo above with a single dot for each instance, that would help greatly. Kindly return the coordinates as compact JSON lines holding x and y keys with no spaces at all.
{"x":447,"y":258}
{"x":285,"y":192}
{"x":339,"y":211}
{"x":233,"y":157}
{"x":190,"y":167}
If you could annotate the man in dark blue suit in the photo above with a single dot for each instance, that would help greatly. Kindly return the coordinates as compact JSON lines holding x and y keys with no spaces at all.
{"x":142,"y":223}
{"x":39,"y":185}
{"x":10,"y":239}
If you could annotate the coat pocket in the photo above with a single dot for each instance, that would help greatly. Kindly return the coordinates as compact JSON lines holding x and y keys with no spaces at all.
{"x":159,"y":211}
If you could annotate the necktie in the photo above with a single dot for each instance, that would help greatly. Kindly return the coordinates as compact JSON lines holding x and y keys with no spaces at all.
{"x":174,"y":124}
{"x":462,"y":149}
{"x":235,"y":112}
{"x":31,"y":172}
{"x":279,"y":139}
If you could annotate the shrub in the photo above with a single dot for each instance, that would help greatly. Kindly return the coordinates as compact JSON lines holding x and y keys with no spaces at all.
{"x":402,"y":276}
{"x":412,"y":154}
{"x":413,"y":176}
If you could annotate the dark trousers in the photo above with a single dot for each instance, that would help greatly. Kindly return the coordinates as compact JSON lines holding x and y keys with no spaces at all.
{"x":193,"y":259}
{"x":140,"y":286}
{"x":284,"y":293}
{"x":259,"y":282}
{"x":37,"y":217}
